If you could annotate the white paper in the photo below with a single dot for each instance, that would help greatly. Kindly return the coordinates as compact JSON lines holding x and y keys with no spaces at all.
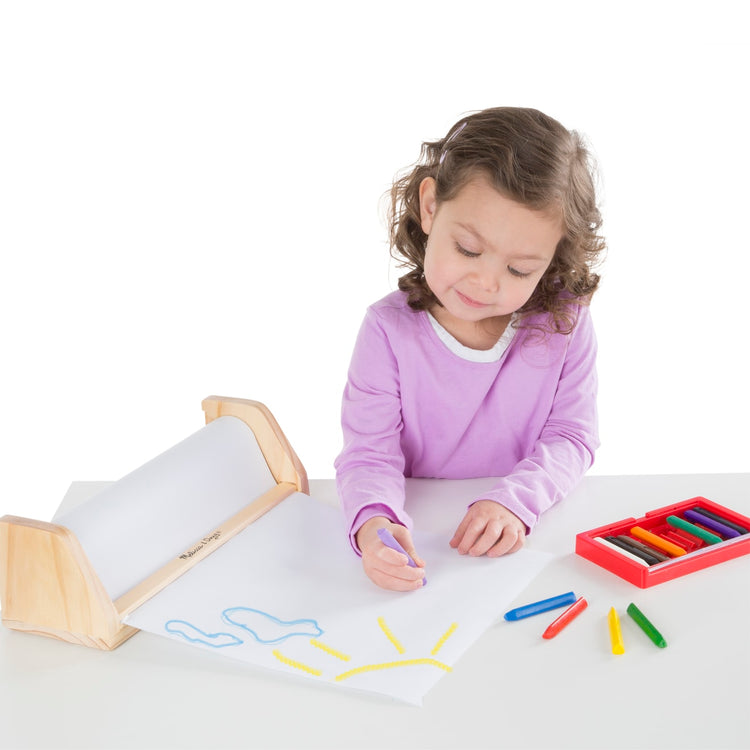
{"x":138,"y":524}
{"x":289,"y":594}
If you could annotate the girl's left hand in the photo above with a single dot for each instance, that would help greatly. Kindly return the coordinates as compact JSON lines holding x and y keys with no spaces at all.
{"x":489,"y":528}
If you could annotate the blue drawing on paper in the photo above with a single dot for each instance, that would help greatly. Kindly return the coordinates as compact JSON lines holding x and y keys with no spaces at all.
{"x":195,"y":635}
{"x":266,"y":628}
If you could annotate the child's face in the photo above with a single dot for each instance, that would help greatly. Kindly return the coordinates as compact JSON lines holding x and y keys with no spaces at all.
{"x":485,"y":253}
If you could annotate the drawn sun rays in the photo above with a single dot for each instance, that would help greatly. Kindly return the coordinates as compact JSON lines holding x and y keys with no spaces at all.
{"x":266,"y":629}
{"x":379,"y":665}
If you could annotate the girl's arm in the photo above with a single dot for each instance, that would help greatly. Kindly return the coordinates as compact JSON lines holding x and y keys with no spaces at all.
{"x":370,"y":468}
{"x":560,"y":457}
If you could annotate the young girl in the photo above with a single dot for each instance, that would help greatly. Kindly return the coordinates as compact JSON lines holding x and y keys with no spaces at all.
{"x":483,"y":363}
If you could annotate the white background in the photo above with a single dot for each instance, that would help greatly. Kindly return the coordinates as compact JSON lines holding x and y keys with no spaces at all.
{"x":190,"y":204}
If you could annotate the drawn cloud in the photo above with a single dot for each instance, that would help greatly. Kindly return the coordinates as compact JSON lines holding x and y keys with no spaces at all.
{"x":195,"y":635}
{"x":266,"y":628}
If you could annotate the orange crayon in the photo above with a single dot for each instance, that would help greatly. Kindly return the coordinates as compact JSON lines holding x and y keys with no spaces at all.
{"x":657,"y":541}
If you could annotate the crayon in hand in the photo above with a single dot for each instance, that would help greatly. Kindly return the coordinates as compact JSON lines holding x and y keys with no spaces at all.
{"x":390,"y":541}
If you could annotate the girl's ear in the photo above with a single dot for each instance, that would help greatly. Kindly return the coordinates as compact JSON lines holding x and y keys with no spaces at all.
{"x":427,"y":203}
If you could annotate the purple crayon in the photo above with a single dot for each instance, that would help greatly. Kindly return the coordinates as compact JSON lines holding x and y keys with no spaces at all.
{"x":390,"y":541}
{"x":711,"y":523}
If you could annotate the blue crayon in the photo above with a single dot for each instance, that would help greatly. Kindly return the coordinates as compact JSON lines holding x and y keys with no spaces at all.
{"x":543,"y":606}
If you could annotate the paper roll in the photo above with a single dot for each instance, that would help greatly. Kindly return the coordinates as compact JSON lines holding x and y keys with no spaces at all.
{"x":136,"y":525}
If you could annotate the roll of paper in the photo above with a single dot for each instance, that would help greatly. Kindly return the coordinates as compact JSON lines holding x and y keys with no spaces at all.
{"x":139,"y":523}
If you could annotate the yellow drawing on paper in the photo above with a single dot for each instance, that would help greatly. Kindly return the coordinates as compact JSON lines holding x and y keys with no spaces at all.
{"x":392,"y":638}
{"x":296,"y":664}
{"x":443,"y":638}
{"x":391,"y":664}
{"x":425,"y":661}
{"x":329,"y":650}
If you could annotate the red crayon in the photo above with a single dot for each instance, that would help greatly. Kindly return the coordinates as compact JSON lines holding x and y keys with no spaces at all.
{"x":566,"y":617}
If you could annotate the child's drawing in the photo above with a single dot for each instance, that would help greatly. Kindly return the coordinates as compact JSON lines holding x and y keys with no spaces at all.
{"x":306,"y":611}
{"x":195,"y":635}
{"x":389,"y":634}
{"x":332,"y":651}
{"x":371,"y":667}
{"x":391,"y":665}
{"x":296,"y":664}
{"x":266,"y":628}
{"x":404,"y":662}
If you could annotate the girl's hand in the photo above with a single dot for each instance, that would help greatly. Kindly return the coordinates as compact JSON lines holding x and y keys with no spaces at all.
{"x":489,"y":528}
{"x":384,"y":566}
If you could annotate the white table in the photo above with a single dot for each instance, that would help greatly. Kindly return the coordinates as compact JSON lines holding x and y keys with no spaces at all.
{"x":512,"y":689}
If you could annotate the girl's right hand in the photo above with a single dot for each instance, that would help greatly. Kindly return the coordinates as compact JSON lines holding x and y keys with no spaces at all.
{"x":386,"y":567}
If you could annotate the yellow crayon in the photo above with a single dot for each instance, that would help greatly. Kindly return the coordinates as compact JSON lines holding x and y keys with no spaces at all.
{"x":615,"y":634}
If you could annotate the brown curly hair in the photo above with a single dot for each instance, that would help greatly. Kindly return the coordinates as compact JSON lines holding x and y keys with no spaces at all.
{"x":529,"y":158}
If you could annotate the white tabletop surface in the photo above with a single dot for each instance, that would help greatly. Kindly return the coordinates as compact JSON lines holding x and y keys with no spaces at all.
{"x":512,"y":689}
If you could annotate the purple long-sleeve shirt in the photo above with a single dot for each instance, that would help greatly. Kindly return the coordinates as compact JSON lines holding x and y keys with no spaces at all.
{"x":414,"y":408}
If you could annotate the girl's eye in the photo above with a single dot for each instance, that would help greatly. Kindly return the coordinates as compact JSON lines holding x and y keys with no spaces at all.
{"x":466,"y":252}
{"x":518,"y":274}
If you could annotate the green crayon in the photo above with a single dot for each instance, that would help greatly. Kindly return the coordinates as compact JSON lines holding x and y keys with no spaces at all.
{"x":691,"y":528}
{"x":645,"y":625}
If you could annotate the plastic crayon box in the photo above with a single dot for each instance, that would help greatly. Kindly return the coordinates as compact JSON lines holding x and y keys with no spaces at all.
{"x":710,"y":548}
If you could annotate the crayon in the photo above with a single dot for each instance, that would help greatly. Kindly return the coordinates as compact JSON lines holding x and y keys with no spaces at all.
{"x":645,"y":625}
{"x":541,"y":606}
{"x":681,"y":538}
{"x":615,"y":634}
{"x":621,"y":551}
{"x":660,"y":556}
{"x":657,"y":541}
{"x":691,"y":528}
{"x":390,"y":541}
{"x":624,"y":542}
{"x":565,"y":618}
{"x":723,"y":520}
{"x":723,"y":527}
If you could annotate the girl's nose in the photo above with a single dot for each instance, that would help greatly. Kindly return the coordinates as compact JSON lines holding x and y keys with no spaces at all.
{"x":488,"y":277}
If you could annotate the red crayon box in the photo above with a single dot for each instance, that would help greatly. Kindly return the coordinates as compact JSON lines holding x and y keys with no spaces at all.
{"x":667,"y":543}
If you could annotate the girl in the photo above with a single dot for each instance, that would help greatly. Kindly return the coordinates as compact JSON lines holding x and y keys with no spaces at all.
{"x":483,"y":363}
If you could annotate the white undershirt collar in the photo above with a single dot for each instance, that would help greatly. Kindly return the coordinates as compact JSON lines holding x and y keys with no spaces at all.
{"x":475,"y":355}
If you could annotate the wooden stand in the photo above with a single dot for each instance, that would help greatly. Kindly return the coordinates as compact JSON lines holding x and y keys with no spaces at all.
{"x":49,"y":587}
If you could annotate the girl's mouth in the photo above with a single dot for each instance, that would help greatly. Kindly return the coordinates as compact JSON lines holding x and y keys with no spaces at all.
{"x":469,"y":301}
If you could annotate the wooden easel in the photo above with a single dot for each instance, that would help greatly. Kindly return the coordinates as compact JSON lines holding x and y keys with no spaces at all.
{"x":49,"y":587}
